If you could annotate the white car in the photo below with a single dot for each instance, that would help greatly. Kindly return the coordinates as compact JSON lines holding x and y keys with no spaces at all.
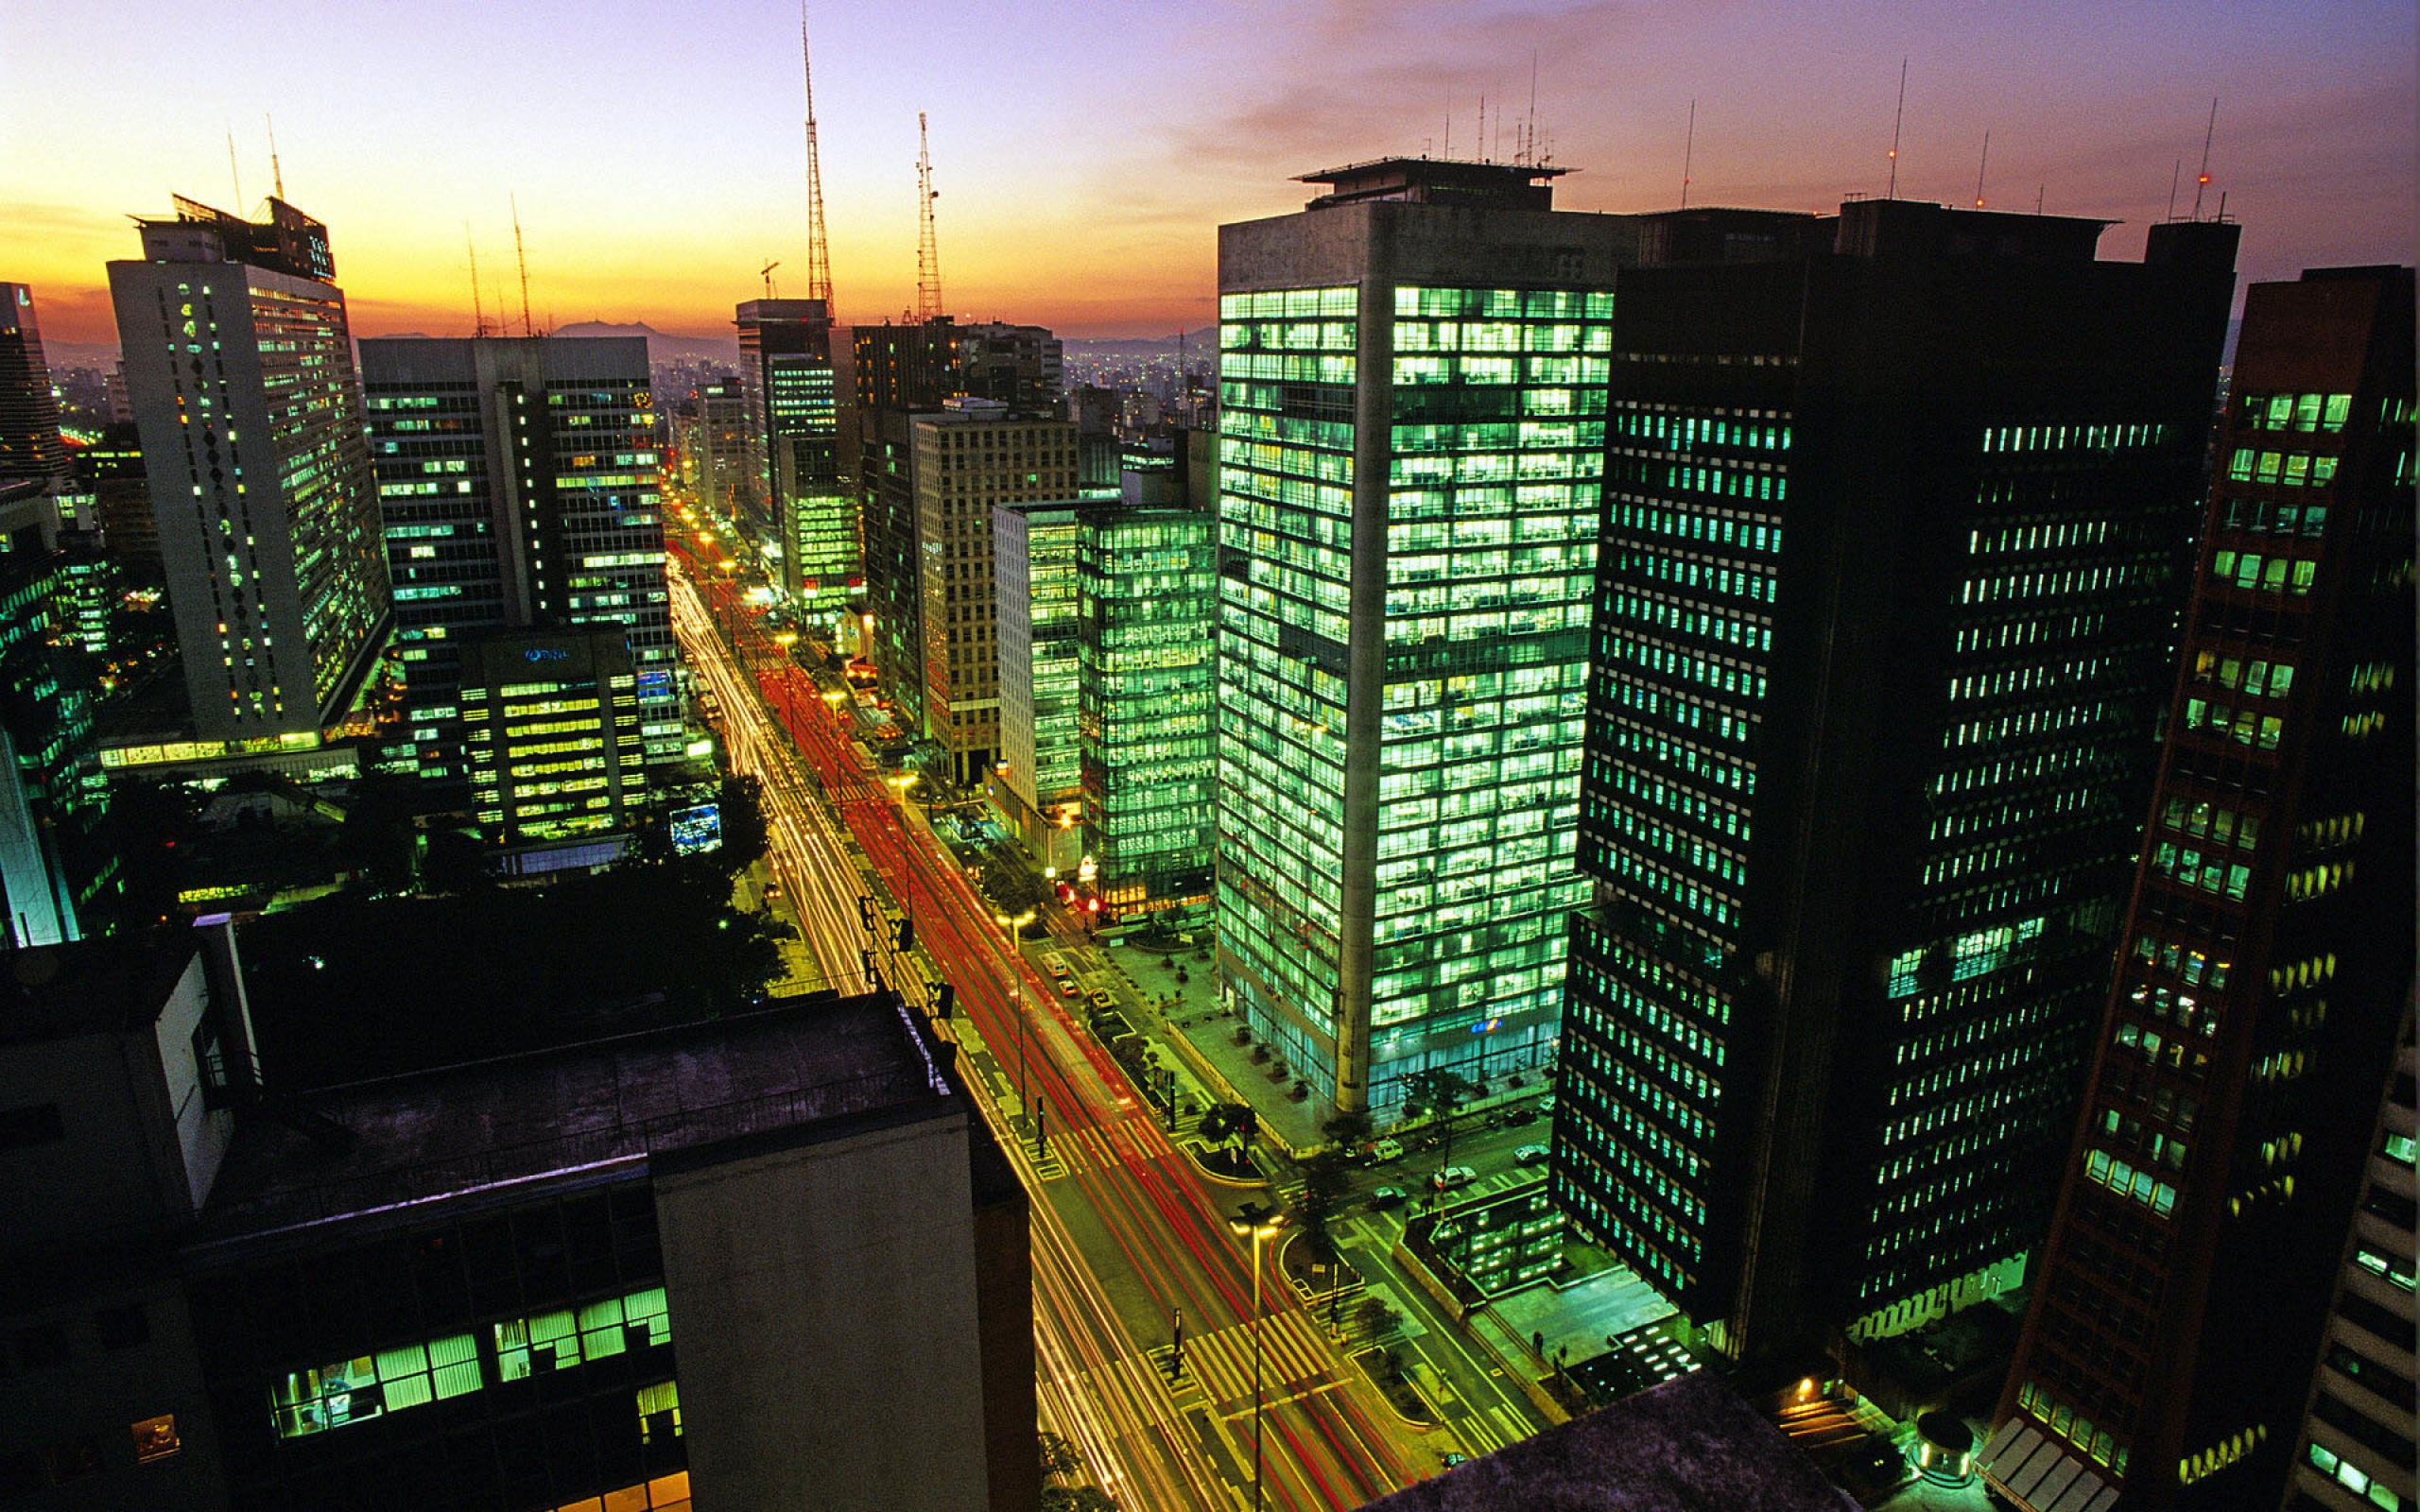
{"x":1452,"y":1177}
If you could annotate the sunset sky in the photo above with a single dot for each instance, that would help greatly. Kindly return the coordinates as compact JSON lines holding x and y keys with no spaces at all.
{"x":1086,"y":150}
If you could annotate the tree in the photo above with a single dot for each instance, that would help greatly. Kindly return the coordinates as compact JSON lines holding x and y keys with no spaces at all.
{"x":1349,"y":1132}
{"x":1080,"y":1499}
{"x":1324,"y":1183}
{"x":1436,"y":1094}
{"x":1377,"y":1318}
{"x":1227,"y":1124}
{"x":1012,"y":884}
{"x":744,"y":834}
{"x":1059,"y":1458}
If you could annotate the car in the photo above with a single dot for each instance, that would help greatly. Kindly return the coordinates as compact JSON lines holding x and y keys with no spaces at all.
{"x":773,"y":889}
{"x":1531,"y":1155}
{"x":1449,"y":1459}
{"x":1452,"y":1177}
{"x":1386,"y":1150}
{"x":1059,"y":967}
{"x":1100,"y":999}
{"x":1066,"y":986}
{"x":1515,"y":1114}
{"x":1386,"y":1197}
{"x":1545,"y":1105}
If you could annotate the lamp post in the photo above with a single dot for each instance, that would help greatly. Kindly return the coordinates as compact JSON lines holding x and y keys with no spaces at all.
{"x":1261,"y":1223}
{"x":1016,"y":989}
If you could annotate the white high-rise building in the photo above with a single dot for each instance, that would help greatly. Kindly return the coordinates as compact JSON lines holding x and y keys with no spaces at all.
{"x":239,"y":368}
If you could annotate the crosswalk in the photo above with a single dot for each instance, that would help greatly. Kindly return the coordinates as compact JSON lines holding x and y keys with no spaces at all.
{"x":1097,"y":1147}
{"x":1295,"y":1359}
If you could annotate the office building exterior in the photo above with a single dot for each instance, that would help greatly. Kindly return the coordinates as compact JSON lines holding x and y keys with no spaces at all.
{"x":517,"y":482}
{"x":786,"y":356}
{"x":61,"y":876}
{"x":2350,"y":1456}
{"x":1146,"y":684}
{"x":1895,"y":509}
{"x":1037,"y":782}
{"x":553,"y":744}
{"x":1411,"y":440}
{"x":723,"y":452}
{"x":2264,"y":964}
{"x":30,"y":441}
{"x":477,"y":1286}
{"x":972,"y":456}
{"x":899,"y":373}
{"x":111,"y":473}
{"x":239,"y":366}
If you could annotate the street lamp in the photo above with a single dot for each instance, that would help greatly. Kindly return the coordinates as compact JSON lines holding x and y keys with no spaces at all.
{"x":1016,"y":991}
{"x":1261,"y":1223}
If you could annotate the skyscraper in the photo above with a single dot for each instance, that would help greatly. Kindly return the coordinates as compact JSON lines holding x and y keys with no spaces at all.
{"x":1891,"y":558}
{"x":517,"y":485}
{"x":552,"y":739}
{"x":1411,"y":435}
{"x":2265,"y":960}
{"x":972,"y":455}
{"x":239,"y":366}
{"x":786,"y":354}
{"x":1038,"y":776}
{"x":2351,"y":1451}
{"x":29,"y":443}
{"x":60,"y":874}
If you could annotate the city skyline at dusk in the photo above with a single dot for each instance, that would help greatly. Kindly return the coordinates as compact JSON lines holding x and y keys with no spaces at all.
{"x":1084,"y":153}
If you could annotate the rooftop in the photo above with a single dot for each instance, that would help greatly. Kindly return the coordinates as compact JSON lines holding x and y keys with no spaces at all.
{"x":577,"y":1110}
{"x":105,"y":985}
{"x":1685,"y":1446}
{"x":1438,"y":180}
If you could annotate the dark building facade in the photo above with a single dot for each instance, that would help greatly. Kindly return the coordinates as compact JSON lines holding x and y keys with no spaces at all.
{"x":30,"y":441}
{"x":2265,"y":960}
{"x":534,"y":1283}
{"x":786,"y":359}
{"x":1892,"y":553}
{"x":517,"y":483}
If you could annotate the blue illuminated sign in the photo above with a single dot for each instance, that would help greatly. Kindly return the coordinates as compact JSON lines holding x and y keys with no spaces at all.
{"x":543,"y":653}
{"x":696,"y":831}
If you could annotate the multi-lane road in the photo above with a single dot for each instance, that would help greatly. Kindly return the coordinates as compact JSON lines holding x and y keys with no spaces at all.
{"x":1127,"y":1235}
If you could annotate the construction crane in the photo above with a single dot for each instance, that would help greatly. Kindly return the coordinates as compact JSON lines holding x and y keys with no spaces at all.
{"x":819,"y":252}
{"x":766,"y":273}
{"x":520,"y":257}
{"x":928,"y":252}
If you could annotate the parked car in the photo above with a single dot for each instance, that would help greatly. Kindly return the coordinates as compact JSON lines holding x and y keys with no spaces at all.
{"x":1100,"y":999}
{"x":1386,"y":1197}
{"x":1059,"y":967}
{"x":1452,"y":1177}
{"x":1545,"y":1105}
{"x":1066,"y":986}
{"x":1386,"y":1150}
{"x":1531,"y":1155}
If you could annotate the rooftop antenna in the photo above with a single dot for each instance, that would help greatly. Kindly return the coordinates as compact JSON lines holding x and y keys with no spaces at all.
{"x":1483,"y":126}
{"x":2037,"y":197}
{"x":1450,"y":124}
{"x":928,"y":251}
{"x":234,"y":172}
{"x":766,"y":273}
{"x":1897,"y":117}
{"x":2203,"y":181}
{"x":1688,"y":154}
{"x":1981,"y":168}
{"x":819,"y":248}
{"x":276,"y":173}
{"x":2174,"y":174}
{"x":523,"y":258}
{"x":1530,"y":127}
{"x":478,"y":305}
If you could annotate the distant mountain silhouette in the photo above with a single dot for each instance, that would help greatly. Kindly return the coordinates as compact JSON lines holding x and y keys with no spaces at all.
{"x":661,"y":346}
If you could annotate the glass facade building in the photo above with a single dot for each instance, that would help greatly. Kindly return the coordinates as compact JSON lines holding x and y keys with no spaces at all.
{"x":552,"y":739}
{"x":1410,"y":445}
{"x":1033,"y":555}
{"x":1146,"y":588}
{"x":1889,"y":568}
{"x":786,"y":351}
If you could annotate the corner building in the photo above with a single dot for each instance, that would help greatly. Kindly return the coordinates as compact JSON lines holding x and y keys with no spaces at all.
{"x":1895,"y":533}
{"x":1411,"y":435}
{"x":2263,"y":970}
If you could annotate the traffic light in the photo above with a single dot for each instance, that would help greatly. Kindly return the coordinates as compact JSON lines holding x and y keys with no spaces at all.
{"x":907,"y":935}
{"x":945,"y":999}
{"x":865,"y":912}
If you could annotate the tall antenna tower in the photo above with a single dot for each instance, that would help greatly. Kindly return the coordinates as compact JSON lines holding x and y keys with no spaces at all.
{"x":276,"y":174}
{"x":2201,"y":182}
{"x":818,"y":253}
{"x":478,"y":305}
{"x":1688,"y":154}
{"x":1898,"y":116}
{"x":523,"y":258}
{"x":929,"y":249}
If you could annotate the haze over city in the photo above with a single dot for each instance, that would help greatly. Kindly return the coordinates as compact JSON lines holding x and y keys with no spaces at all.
{"x":1083,"y":150}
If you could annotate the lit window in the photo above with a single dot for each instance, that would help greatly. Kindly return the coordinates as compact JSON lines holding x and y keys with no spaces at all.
{"x":156,"y":1439}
